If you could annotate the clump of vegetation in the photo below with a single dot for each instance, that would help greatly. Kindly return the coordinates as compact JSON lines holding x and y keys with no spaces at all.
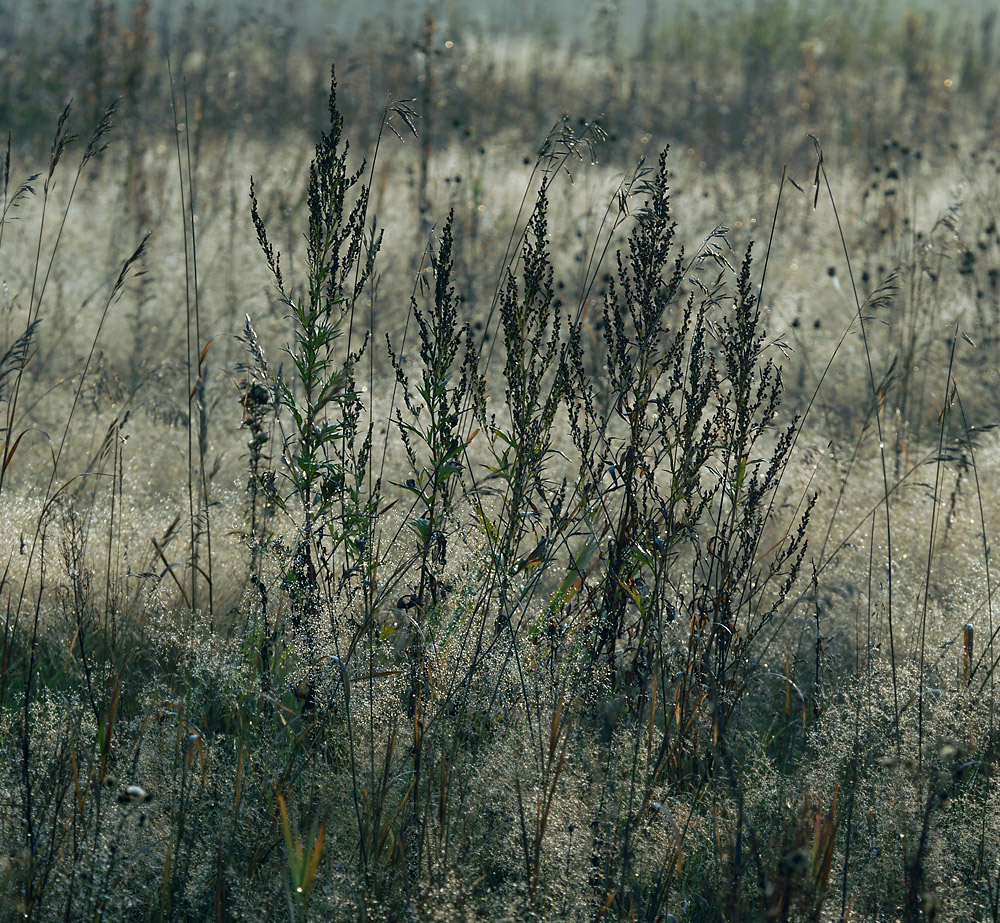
{"x":595,"y":587}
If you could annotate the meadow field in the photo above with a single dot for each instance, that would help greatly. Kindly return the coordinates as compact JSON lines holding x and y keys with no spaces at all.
{"x":459,"y":469}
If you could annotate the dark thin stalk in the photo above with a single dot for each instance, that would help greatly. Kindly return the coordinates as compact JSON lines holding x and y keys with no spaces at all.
{"x":190,"y":346}
{"x":938,"y":471}
{"x":821,"y":170}
{"x":202,"y":351}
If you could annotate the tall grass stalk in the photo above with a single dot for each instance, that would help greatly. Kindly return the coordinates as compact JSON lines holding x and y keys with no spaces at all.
{"x":199,"y":507}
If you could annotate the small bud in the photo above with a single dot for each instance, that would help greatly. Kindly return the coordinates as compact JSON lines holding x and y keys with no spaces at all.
{"x":134,"y":794}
